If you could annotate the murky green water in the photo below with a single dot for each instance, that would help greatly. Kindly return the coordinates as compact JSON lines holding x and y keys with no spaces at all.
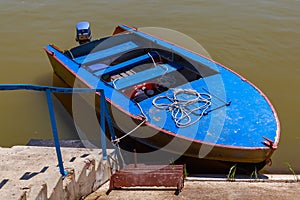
{"x":260,"y":39}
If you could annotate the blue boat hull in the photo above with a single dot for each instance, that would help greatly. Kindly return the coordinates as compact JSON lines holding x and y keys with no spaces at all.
{"x":240,"y":127}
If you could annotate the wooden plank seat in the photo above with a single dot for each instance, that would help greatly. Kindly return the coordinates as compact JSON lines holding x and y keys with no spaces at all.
{"x":123,"y":66}
{"x":97,"y":67}
{"x":95,"y":56}
{"x":147,"y":74}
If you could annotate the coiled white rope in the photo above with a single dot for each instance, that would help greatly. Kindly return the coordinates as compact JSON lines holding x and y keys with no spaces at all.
{"x":180,"y":107}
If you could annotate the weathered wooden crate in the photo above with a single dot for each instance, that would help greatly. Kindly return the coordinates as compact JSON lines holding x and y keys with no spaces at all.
{"x":141,"y":175}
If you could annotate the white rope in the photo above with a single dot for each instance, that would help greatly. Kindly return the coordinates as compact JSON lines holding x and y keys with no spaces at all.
{"x":138,"y":126}
{"x":154,"y":63}
{"x":117,"y":140}
{"x":71,"y":54}
{"x":152,"y":59}
{"x":141,"y":109}
{"x":180,"y":108}
{"x":114,"y":83}
{"x":162,"y":65}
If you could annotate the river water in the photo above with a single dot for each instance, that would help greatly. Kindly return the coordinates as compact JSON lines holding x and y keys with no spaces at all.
{"x":259,"y":39}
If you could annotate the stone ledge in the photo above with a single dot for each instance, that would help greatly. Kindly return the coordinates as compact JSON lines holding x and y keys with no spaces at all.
{"x":31,"y":172}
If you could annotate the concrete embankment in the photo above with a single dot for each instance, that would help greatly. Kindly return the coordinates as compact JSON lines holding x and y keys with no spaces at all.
{"x":30,"y":172}
{"x":284,"y":187}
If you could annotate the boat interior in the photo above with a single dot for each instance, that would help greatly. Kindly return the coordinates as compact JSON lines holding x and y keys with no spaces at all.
{"x":137,"y":67}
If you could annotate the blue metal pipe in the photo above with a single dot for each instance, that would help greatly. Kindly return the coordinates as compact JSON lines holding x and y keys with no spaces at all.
{"x":55,"y":134}
{"x":104,"y":114}
{"x":102,"y":124}
{"x":112,"y":132}
{"x":44,"y":88}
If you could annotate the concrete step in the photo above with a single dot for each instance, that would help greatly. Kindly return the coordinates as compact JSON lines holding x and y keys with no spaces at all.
{"x":33,"y":171}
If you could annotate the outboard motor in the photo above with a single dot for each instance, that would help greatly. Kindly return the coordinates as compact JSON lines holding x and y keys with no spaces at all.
{"x":83,"y":32}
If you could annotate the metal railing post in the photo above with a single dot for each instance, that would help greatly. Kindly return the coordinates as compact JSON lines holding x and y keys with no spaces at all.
{"x":55,"y":134}
{"x":102,"y":114}
{"x":112,"y":132}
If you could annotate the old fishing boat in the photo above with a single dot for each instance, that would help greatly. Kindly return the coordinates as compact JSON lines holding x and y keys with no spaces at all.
{"x":171,"y":98}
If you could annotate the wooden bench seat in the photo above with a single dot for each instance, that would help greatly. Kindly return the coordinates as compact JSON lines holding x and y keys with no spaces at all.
{"x":95,"y":56}
{"x":123,"y":66}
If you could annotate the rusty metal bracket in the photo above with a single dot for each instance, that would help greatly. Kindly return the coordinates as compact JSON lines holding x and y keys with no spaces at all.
{"x":141,"y":175}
